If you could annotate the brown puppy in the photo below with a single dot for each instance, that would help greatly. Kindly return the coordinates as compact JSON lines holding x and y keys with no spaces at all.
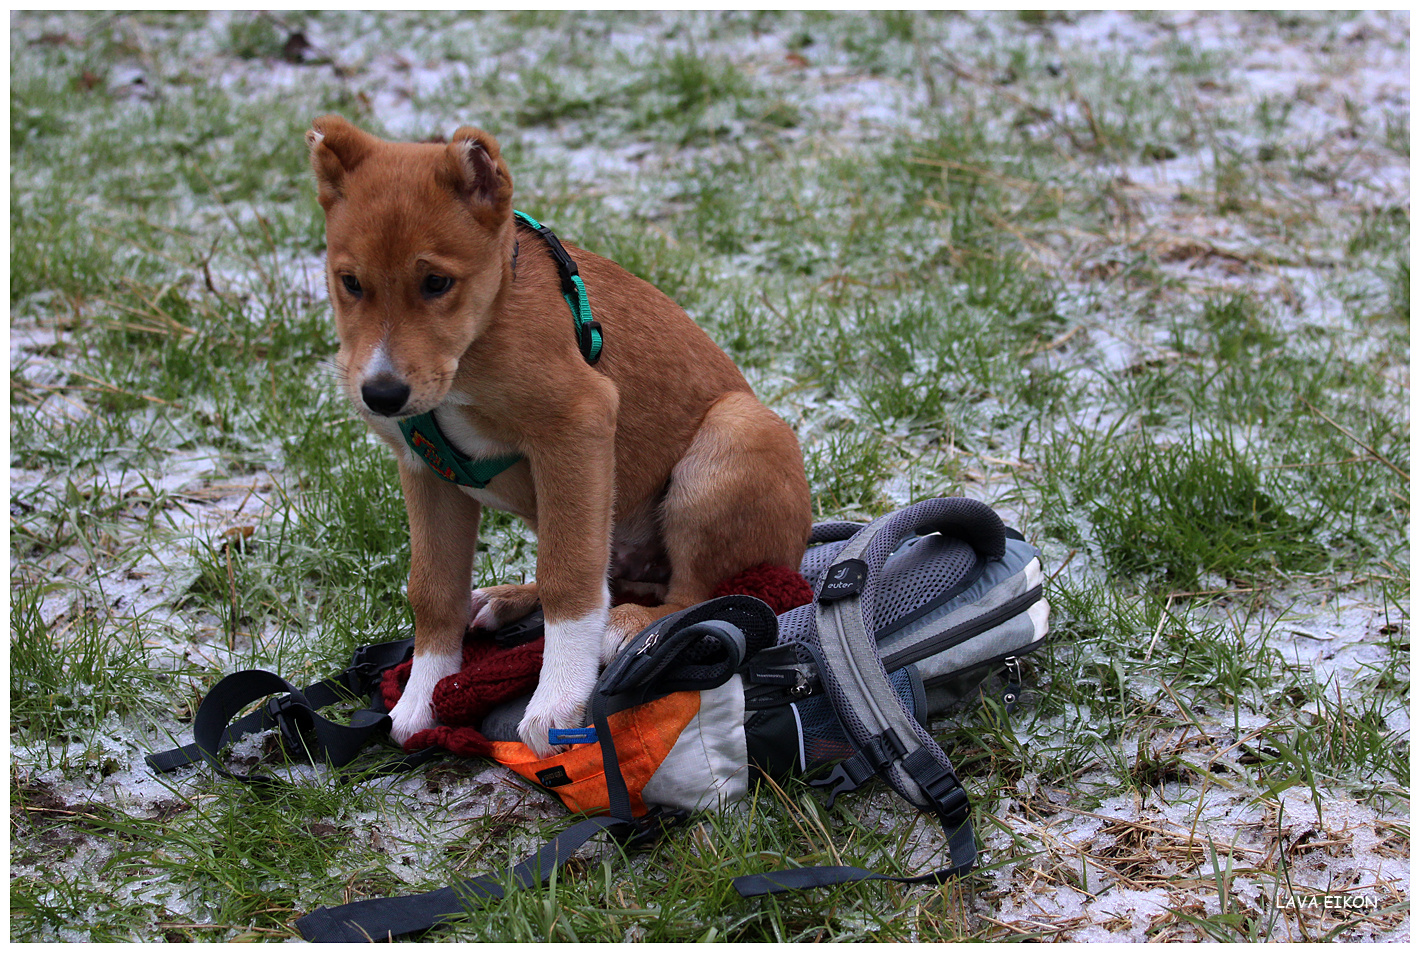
{"x":656,"y":466}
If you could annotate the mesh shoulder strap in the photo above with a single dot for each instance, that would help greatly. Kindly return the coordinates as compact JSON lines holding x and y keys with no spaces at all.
{"x":885,"y":733}
{"x":892,"y":740}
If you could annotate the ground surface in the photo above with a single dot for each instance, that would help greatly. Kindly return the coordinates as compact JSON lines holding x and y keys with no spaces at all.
{"x":1139,"y":281}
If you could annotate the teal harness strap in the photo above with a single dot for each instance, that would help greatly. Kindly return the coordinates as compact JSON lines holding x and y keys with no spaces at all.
{"x":422,"y":433}
{"x":574,"y":292}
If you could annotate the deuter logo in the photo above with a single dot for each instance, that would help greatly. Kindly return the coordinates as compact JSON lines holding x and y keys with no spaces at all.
{"x":843,"y":579}
{"x":553,"y":777}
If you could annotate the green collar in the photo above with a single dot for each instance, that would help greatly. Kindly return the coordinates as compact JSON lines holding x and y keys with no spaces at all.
{"x":422,"y":433}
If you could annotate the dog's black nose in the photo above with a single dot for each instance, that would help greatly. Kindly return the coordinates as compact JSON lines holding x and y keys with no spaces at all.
{"x":384,"y":395}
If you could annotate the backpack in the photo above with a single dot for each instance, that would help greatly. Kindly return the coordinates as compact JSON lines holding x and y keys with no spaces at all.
{"x":912,"y":614}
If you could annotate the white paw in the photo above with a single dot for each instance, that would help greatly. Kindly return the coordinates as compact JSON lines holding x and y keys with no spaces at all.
{"x":414,"y":712}
{"x":411,"y":716}
{"x":547,"y":711}
{"x":569,"y":673}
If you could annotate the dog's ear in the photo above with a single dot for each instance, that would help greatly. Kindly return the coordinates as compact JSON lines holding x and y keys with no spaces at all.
{"x":336,"y":148}
{"x":474,"y":169}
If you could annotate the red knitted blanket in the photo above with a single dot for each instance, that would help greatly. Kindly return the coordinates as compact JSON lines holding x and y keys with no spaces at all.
{"x":491,"y":675}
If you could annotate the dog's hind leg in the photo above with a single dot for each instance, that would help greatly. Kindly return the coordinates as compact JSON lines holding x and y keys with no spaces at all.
{"x":737,"y":498}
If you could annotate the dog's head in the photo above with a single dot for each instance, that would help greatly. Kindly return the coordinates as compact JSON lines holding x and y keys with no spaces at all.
{"x":418,"y":237}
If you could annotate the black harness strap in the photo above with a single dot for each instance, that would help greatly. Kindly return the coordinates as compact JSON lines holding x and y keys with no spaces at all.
{"x":385,"y":918}
{"x":293,"y":711}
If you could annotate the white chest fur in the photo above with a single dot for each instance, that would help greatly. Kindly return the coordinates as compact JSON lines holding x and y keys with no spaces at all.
{"x":466,"y":438}
{"x":462,"y":434}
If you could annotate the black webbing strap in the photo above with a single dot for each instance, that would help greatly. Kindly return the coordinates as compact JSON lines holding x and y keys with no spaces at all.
{"x":386,"y":918}
{"x":295,"y":712}
{"x":961,"y":844}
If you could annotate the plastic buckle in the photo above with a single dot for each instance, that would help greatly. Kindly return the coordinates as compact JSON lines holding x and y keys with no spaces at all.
{"x":950,"y":797}
{"x":650,"y":826}
{"x":566,"y":267}
{"x":883,"y":750}
{"x":939,"y":783}
{"x":954,"y":808}
{"x":365,"y":668}
{"x":848,"y":775}
{"x":292,"y":716}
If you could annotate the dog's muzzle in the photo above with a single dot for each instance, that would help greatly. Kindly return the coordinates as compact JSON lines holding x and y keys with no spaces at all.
{"x":385,"y":395}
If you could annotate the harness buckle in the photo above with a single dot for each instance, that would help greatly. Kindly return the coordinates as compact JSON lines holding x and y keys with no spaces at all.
{"x":292,"y":715}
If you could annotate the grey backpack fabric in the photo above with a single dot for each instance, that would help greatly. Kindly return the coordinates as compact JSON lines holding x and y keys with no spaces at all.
{"x":950,"y":597}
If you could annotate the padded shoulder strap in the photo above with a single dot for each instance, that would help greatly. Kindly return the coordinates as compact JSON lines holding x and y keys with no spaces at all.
{"x":881,"y":728}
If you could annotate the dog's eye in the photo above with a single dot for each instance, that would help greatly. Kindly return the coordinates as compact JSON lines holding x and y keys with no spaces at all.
{"x":352,"y":284}
{"x":435,"y":285}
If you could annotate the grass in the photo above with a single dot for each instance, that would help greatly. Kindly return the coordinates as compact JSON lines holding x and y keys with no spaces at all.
{"x":1147,"y":311}
{"x":1195,"y":508}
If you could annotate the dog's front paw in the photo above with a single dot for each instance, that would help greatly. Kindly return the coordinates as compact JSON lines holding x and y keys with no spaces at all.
{"x":409,"y":717}
{"x":414,"y":712}
{"x":565,"y":684}
{"x":545,"y":713}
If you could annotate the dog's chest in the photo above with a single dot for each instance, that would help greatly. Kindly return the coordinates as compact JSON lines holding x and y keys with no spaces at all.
{"x":465,"y":437}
